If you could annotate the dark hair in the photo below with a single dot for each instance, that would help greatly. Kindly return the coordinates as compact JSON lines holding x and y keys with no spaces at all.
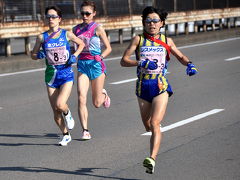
{"x":89,"y":3}
{"x":149,"y":9}
{"x":57,"y":9}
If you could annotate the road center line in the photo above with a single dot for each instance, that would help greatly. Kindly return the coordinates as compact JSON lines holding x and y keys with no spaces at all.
{"x":233,"y":58}
{"x":186,"y":121}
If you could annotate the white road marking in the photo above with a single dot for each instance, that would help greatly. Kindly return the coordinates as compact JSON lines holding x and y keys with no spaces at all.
{"x":1,"y":108}
{"x":124,"y":81}
{"x":186,"y":121}
{"x":233,"y":58}
{"x":115,"y":58}
{"x":22,"y":72}
{"x":208,"y":43}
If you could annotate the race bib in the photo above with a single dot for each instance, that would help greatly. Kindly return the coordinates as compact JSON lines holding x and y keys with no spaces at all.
{"x":156,"y":54}
{"x":57,"y":55}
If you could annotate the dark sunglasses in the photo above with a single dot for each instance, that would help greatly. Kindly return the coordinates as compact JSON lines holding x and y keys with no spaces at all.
{"x":85,"y":13}
{"x":48,"y":16}
{"x":149,"y":20}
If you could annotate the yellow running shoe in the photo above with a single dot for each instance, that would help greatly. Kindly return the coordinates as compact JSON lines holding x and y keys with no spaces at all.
{"x":149,"y":164}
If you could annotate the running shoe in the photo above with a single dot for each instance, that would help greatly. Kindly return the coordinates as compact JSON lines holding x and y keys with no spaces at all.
{"x":107,"y":101}
{"x":86,"y":135}
{"x":65,"y":140}
{"x":149,"y":164}
{"x":69,"y":120}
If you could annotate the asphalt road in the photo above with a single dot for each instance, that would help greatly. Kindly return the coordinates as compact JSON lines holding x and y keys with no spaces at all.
{"x":201,"y":126}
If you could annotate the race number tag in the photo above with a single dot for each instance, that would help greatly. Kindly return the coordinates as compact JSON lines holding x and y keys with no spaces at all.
{"x":156,"y":54}
{"x":57,"y":55}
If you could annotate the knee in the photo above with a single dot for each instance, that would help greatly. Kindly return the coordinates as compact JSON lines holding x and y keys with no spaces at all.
{"x":82,"y":101}
{"x":59,"y":107}
{"x":154,"y":125}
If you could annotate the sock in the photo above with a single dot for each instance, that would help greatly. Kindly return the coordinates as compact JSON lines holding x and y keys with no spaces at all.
{"x":66,"y":113}
{"x":67,"y":133}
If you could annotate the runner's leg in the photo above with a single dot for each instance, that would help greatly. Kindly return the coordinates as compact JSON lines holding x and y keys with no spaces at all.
{"x":64,"y":93}
{"x":53,"y":94}
{"x":159,"y":106}
{"x":145,"y":110}
{"x":98,"y":97}
{"x":83,"y":86}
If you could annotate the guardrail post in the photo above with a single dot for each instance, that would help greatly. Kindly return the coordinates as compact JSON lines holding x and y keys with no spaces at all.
{"x":8,"y":47}
{"x":166,"y":30}
{"x":186,"y":28}
{"x":228,"y":23}
{"x":120,"y":36}
{"x":195,"y":27}
{"x":235,"y":21}
{"x":220,"y":24}
{"x":133,"y":32}
{"x":27,"y":45}
{"x":204,"y":26}
{"x":213,"y":25}
{"x":176,"y":29}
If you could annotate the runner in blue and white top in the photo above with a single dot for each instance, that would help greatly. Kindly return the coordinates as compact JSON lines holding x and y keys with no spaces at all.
{"x":59,"y":75}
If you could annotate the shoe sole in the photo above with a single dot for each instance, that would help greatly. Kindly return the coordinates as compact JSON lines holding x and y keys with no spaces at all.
{"x":107,"y":101}
{"x":149,"y":167}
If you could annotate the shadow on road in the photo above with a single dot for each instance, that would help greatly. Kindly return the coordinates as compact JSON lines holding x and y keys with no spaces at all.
{"x":46,"y":136}
{"x":81,"y":171}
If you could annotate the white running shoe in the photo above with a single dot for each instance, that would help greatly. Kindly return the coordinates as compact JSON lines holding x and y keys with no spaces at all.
{"x":86,"y":135}
{"x":69,"y":120}
{"x":65,"y":140}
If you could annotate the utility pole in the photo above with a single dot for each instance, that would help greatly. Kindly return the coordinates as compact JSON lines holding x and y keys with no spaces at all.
{"x":34,"y":10}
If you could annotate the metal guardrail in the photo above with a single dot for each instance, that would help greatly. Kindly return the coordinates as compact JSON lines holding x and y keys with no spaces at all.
{"x":33,"y":28}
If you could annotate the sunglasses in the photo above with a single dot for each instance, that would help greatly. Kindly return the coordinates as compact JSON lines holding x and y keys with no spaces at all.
{"x":85,"y":13}
{"x":149,"y":20}
{"x":48,"y":16}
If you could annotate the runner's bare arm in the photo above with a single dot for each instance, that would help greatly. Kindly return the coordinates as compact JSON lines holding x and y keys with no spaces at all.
{"x":37,"y":47}
{"x":102,"y":34}
{"x":177,"y":53}
{"x":76,"y":40}
{"x":126,"y":61}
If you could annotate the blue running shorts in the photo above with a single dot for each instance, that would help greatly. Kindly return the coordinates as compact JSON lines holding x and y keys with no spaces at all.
{"x":147,"y":88}
{"x":56,"y":76}
{"x":92,"y":68}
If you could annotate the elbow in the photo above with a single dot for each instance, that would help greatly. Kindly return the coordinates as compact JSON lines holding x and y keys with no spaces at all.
{"x":82,"y":45}
{"x":109,"y":49}
{"x":122,"y":63}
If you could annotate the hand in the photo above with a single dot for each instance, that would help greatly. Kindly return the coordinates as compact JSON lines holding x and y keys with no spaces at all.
{"x":72,"y":60}
{"x":41,"y":54}
{"x":191,"y":69}
{"x":147,"y":64}
{"x":98,"y":58}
